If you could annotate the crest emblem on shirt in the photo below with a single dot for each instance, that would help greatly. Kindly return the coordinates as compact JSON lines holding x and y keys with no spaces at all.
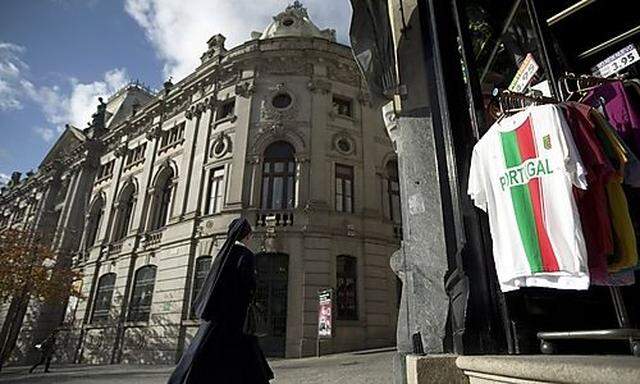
{"x":546,"y":141}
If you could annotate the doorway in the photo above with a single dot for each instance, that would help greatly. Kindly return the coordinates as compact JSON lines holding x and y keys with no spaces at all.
{"x":271,"y":294}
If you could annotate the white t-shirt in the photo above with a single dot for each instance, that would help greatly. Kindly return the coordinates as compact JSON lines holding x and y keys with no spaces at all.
{"x":522,"y":172}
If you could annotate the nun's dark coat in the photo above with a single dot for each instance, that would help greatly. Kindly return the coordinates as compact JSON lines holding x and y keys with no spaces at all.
{"x":221,"y":352}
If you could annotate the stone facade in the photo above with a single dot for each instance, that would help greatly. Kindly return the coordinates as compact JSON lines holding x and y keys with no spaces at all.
{"x":278,"y":130}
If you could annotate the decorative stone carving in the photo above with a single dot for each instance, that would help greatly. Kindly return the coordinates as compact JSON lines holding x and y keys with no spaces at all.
{"x":351,"y":231}
{"x":229,"y":76}
{"x":216,"y":48}
{"x":344,"y":74}
{"x":221,"y":146}
{"x":269,"y":112}
{"x":245,"y":89}
{"x":288,"y":66}
{"x":153,"y":132}
{"x":320,"y":86}
{"x":121,"y":150}
{"x":175,"y":107}
{"x":343,"y":143}
{"x":270,"y":131}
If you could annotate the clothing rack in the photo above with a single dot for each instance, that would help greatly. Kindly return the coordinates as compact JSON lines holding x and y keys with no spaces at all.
{"x":578,"y":85}
{"x":511,"y":102}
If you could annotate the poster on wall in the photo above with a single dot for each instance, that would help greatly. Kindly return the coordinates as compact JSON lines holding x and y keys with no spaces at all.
{"x":72,"y":305}
{"x":325,"y":299}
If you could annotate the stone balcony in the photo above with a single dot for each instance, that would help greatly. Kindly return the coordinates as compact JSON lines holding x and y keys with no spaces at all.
{"x":276,"y":218}
{"x":152,"y":239}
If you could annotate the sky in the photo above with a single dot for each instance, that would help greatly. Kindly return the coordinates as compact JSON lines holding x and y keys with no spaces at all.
{"x":58,"y":56}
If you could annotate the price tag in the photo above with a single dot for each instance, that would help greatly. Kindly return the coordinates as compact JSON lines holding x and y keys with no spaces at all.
{"x":525,"y":73}
{"x":616,"y":62}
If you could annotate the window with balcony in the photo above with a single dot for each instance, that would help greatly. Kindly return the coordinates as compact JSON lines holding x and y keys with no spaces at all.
{"x":278,"y":177}
{"x":142,"y":296}
{"x":344,"y":188}
{"x":215,"y":191}
{"x":104,"y":295}
{"x":347,"y":287}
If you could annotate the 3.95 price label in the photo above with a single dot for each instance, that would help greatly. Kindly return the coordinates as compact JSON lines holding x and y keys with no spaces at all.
{"x":616,"y":62}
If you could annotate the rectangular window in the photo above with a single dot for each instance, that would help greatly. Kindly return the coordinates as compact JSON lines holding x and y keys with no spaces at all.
{"x":347,"y":288}
{"x":226,"y":110}
{"x":216,"y":191}
{"x":136,"y":154}
{"x":342,"y":106}
{"x":344,"y":188}
{"x":172,"y":136}
{"x":106,"y":170}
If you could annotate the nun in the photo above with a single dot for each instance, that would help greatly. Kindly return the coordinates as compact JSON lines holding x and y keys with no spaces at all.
{"x":225,"y":349}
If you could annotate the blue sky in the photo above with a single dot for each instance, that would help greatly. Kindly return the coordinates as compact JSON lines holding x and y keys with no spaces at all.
{"x":58,"y":56}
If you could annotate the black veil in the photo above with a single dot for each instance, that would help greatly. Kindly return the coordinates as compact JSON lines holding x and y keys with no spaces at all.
{"x":207,"y":299}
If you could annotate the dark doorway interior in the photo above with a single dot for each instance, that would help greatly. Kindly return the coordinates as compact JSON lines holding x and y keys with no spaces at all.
{"x":271,"y":294}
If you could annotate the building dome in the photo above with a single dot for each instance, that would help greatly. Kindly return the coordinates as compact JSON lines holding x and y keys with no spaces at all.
{"x":294,"y":22}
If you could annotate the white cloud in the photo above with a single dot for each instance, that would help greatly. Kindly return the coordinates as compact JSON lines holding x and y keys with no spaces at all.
{"x":73,"y":106}
{"x":83,"y":99}
{"x":47,"y":134}
{"x":59,"y":107}
{"x":4,"y":178}
{"x":76,"y":106}
{"x":179,"y":32}
{"x":11,"y":70}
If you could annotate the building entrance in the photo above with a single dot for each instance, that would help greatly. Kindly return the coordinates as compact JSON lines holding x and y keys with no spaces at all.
{"x":271,"y":295}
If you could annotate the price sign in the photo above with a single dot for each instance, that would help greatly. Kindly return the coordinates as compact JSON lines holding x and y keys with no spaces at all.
{"x":527,"y":70}
{"x":325,"y":315}
{"x":616,"y":62}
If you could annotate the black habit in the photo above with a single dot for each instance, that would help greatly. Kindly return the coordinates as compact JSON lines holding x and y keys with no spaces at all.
{"x":222,"y":351}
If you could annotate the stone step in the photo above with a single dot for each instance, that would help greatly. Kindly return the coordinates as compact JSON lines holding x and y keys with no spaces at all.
{"x":550,"y":369}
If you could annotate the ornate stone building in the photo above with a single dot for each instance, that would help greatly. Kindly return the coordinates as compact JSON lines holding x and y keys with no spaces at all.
{"x":279,"y":130}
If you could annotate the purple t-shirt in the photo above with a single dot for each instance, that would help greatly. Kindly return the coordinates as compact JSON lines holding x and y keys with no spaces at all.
{"x":621,"y":113}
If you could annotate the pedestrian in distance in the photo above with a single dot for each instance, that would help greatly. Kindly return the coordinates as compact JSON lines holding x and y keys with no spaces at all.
{"x":225,"y":348}
{"x":47,"y":348}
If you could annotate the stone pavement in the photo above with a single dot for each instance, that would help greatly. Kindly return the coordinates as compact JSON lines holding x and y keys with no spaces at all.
{"x":367,"y":367}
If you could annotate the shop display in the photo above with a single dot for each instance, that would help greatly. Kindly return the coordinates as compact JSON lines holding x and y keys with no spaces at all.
{"x":522,"y":172}
{"x":559,"y":182}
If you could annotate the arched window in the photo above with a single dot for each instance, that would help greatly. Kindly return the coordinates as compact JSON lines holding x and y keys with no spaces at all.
{"x":102,"y":301}
{"x":347,"y":287}
{"x":163,"y":194}
{"x":142,"y":296}
{"x":395,"y":208}
{"x":125,"y":211}
{"x":203,"y":264}
{"x":278,"y":176}
{"x":95,"y":220}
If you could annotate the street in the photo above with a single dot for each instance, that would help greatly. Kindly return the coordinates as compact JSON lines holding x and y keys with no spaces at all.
{"x":369,"y":367}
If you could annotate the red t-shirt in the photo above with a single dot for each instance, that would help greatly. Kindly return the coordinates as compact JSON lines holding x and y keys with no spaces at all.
{"x":592,"y":203}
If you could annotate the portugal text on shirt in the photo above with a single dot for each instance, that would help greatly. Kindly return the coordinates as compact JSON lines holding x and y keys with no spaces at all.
{"x":521,"y":174}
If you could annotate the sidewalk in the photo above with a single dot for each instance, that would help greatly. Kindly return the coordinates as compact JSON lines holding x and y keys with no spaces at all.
{"x":361,"y":367}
